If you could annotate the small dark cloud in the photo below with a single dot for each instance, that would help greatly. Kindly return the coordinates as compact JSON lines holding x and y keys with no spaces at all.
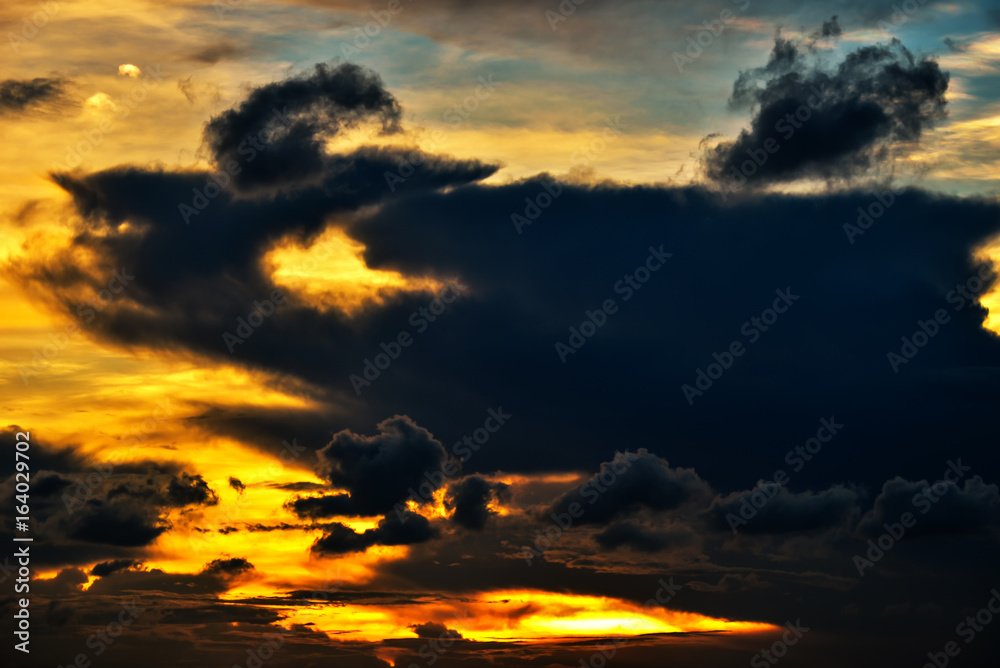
{"x":470,"y":498}
{"x":404,"y":529}
{"x":812,"y":121}
{"x":236,"y":484}
{"x":628,"y":483}
{"x":234,"y":566}
{"x":380,"y":471}
{"x":953,"y":46}
{"x":434,"y":630}
{"x":21,"y":95}
{"x":771,"y":508}
{"x":190,"y":490}
{"x":941,"y":508}
{"x":106,"y":568}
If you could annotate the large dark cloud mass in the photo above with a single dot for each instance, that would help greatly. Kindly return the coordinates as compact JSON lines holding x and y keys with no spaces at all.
{"x":811,"y":120}
{"x":816,"y":308}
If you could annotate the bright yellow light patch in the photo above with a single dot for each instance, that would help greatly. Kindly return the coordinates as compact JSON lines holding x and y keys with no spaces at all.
{"x":129,"y":70}
{"x":332,"y":274}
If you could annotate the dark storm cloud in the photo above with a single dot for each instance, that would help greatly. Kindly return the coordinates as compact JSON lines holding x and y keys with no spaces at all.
{"x":380,"y":471}
{"x":469,"y":499}
{"x":316,"y":507}
{"x":628,"y":483}
{"x":296,"y":117}
{"x":108,"y":567}
{"x":190,"y":490}
{"x":116,"y":525}
{"x":771,"y":508}
{"x":406,"y":528}
{"x":811,"y":121}
{"x":434,"y":630}
{"x":21,"y":95}
{"x":942,"y":508}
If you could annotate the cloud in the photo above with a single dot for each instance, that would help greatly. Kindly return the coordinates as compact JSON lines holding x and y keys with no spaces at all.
{"x":942,"y":508}
{"x":628,"y":483}
{"x":469,"y":500}
{"x":434,"y":630}
{"x":772,"y":508}
{"x":291,"y":120}
{"x":22,"y":95}
{"x":814,"y":121}
{"x":406,"y":528}
{"x":106,"y":568}
{"x":382,"y":470}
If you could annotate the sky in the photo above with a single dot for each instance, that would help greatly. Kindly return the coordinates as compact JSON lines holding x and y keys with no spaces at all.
{"x":416,"y":333}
